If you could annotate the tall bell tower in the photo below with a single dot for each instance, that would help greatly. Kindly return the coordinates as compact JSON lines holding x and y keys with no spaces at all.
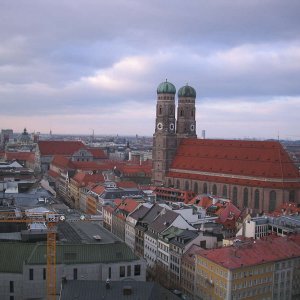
{"x":164,"y":138}
{"x":186,"y":113}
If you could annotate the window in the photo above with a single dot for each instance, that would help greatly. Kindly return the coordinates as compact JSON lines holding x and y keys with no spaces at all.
{"x":128,"y":271}
{"x":11,"y":298}
{"x":234,"y":196}
{"x":30,"y":274}
{"x":205,"y":188}
{"x":196,"y":188}
{"x":178,"y":184}
{"x":11,"y":286}
{"x":75,"y":273}
{"x":292,"y":196}
{"x":109,"y":273}
{"x":214,"y":190}
{"x":245,"y":203}
{"x":225,"y":191}
{"x":187,"y":186}
{"x":256,"y":199}
{"x":122,"y":271}
{"x":44,"y":273}
{"x":137,"y":270}
{"x":272,"y":203}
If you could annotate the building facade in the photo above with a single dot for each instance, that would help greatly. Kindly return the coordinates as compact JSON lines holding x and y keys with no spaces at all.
{"x":259,"y":175}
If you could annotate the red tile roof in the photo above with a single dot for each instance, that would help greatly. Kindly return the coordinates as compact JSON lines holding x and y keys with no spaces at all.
{"x":229,"y":212}
{"x":252,"y":159}
{"x":99,"y":189}
{"x":128,"y":205}
{"x":83,"y":179}
{"x":97,"y":153}
{"x":53,"y":174}
{"x":24,"y":156}
{"x":256,"y":252}
{"x":126,"y":184}
{"x":201,"y":200}
{"x":60,"y":147}
{"x":62,"y":162}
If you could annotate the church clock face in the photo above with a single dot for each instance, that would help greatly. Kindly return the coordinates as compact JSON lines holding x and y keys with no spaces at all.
{"x":160,"y":126}
{"x":192,"y":127}
{"x":172,"y":126}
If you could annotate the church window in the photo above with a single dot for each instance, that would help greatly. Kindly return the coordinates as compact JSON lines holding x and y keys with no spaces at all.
{"x":245,"y":203}
{"x":187,"y":186}
{"x":224,"y":191}
{"x":178,"y":184}
{"x":169,"y":183}
{"x":292,"y":196}
{"x":205,"y":188}
{"x":192,"y":113}
{"x":234,"y":196}
{"x":214,"y":190}
{"x":256,"y":199}
{"x":196,"y":188}
{"x":160,"y":110}
{"x":272,"y":202}
{"x":181,"y":113}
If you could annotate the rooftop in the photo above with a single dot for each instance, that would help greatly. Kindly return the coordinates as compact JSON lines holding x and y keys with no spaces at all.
{"x":249,"y":253}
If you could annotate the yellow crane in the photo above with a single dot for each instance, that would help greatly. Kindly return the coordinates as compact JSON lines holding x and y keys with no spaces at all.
{"x":50,"y":219}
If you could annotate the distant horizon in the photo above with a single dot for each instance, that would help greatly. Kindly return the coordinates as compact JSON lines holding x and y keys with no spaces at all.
{"x":147,"y":136}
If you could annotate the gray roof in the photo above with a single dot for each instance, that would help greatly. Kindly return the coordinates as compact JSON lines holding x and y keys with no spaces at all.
{"x":163,"y":221}
{"x":183,"y":238}
{"x":95,"y":290}
{"x":152,"y":213}
{"x":12,"y":255}
{"x":140,"y":212}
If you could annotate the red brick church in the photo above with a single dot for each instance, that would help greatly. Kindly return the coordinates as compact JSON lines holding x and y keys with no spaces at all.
{"x":258,"y":175}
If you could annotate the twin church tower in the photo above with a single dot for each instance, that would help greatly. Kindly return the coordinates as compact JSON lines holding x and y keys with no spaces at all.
{"x":168,"y":131}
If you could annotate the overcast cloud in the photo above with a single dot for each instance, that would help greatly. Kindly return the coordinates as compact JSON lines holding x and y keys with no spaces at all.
{"x":74,"y":66}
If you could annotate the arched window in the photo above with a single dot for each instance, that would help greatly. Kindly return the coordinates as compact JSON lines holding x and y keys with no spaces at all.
{"x":181,"y":113}
{"x":234,"y":196}
{"x":192,"y":113}
{"x":272,"y":201}
{"x":196,"y":188}
{"x":256,"y":199}
{"x":214,"y":190}
{"x":245,"y":203}
{"x":292,"y":196}
{"x":169,"y":182}
{"x":187,"y":186}
{"x":205,"y":188}
{"x":178,"y":184}
{"x":160,"y":110}
{"x":224,"y":191}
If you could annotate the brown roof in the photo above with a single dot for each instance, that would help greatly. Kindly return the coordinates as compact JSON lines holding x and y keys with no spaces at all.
{"x":59,"y":147}
{"x":24,"y":156}
{"x":84,"y":179}
{"x":209,"y":159}
{"x":62,"y":161}
{"x":97,"y":153}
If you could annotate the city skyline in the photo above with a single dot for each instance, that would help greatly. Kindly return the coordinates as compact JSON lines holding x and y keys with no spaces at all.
{"x":74,"y":67}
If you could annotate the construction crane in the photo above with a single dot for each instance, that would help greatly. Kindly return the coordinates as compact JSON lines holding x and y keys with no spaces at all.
{"x":51,"y":219}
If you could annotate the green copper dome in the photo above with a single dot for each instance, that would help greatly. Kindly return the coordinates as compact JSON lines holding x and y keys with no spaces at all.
{"x":166,"y":88}
{"x":187,"y":91}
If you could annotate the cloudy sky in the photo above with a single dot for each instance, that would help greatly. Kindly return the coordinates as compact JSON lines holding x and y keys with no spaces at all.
{"x":74,"y":66}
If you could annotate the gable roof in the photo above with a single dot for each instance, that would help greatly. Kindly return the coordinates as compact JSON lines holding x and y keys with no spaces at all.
{"x":59,"y":147}
{"x":27,"y":156}
{"x":163,"y":220}
{"x":222,"y":159}
{"x":97,"y":153}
